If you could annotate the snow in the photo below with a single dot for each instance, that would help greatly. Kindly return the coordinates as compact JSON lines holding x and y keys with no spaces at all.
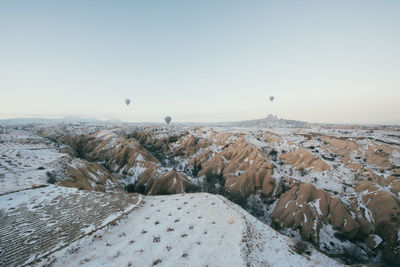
{"x":253,"y":140}
{"x":134,"y":173}
{"x":377,"y":240}
{"x":36,"y":222}
{"x":330,"y":244}
{"x":105,"y":134}
{"x":188,"y":229}
{"x":25,"y":158}
{"x":238,"y":173}
{"x":395,"y":158}
{"x":315,"y":204}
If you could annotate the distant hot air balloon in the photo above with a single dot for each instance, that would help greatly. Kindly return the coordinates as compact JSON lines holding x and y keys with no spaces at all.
{"x":127,"y":101}
{"x":168,"y":119}
{"x":271,"y":98}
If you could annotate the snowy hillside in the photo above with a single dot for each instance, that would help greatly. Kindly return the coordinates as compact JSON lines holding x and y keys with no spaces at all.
{"x":26,"y":160}
{"x":187,"y":230}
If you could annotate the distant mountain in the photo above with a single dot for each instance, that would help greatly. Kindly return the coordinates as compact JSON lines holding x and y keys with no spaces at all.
{"x":73,"y":120}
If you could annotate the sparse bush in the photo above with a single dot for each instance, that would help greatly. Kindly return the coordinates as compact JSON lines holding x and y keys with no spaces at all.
{"x":273,"y":154}
{"x":238,"y":198}
{"x":51,"y":178}
{"x":196,"y":169}
{"x":156,"y":262}
{"x":330,"y":157}
{"x":303,"y":172}
{"x":192,"y":188}
{"x":300,"y":247}
{"x":130,"y":188}
{"x":353,"y":255}
{"x":156,"y":239}
{"x":214,"y":183}
{"x":340,"y":236}
{"x":255,"y":206}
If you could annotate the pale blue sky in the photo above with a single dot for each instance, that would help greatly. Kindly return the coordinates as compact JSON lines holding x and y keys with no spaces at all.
{"x":324,"y":61}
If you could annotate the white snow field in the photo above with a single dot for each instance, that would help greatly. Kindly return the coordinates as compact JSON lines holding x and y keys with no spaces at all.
{"x":25,"y":158}
{"x":186,"y":230}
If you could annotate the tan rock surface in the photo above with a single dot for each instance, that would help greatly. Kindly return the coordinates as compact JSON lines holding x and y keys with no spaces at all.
{"x":378,"y":212}
{"x":187,"y":148}
{"x":171,"y":183}
{"x":378,"y":156}
{"x":272,"y":138}
{"x":301,"y":158}
{"x":306,"y":207}
{"x":342,"y":147}
{"x":92,"y":177}
{"x":245,"y":169}
{"x":380,"y":209}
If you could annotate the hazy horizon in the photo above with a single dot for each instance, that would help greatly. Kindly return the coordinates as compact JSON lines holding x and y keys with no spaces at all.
{"x":208,"y":61}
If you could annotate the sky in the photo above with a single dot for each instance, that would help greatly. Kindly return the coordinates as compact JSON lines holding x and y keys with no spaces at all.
{"x":210,"y":60}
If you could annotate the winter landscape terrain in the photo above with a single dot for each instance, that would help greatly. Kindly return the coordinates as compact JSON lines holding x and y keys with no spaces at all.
{"x":268,"y":192}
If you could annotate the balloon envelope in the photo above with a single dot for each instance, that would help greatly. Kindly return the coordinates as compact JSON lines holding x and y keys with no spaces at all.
{"x":168,"y":119}
{"x":127,"y":101}
{"x":271,"y":98}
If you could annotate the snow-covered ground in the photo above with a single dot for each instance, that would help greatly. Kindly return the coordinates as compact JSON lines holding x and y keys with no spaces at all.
{"x":37,"y":221}
{"x":25,"y":159}
{"x":187,"y":230}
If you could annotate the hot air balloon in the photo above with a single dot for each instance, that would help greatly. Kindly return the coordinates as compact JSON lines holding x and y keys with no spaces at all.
{"x":168,"y":119}
{"x":271,"y":98}
{"x":127,"y":101}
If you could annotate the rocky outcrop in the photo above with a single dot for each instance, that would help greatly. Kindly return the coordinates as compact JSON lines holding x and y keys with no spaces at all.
{"x":170,"y":183}
{"x":342,"y":147}
{"x":90,"y":176}
{"x":221,"y":138}
{"x":379,"y":156}
{"x":272,"y":138}
{"x":153,"y":142}
{"x":187,"y":148}
{"x":306,"y":208}
{"x":302,"y":159}
{"x":378,"y":212}
{"x":243,"y":167}
{"x":373,"y":241}
{"x":119,"y":155}
{"x":154,"y":182}
{"x":390,"y":183}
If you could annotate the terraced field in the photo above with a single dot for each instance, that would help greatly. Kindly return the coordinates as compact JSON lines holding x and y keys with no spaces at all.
{"x":38,"y":221}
